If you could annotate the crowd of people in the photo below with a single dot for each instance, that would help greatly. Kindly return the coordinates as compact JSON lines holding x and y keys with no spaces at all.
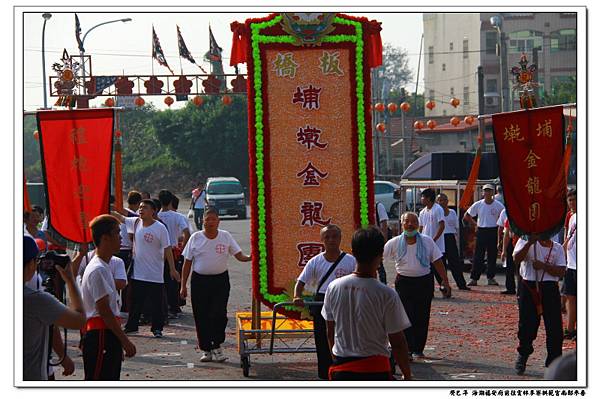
{"x":144,"y":255}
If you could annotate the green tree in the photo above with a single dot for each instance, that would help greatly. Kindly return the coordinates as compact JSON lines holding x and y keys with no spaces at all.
{"x":561,"y":93}
{"x":396,"y":71}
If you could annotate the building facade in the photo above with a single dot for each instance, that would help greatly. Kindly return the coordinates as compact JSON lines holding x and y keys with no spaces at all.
{"x":455,"y":44}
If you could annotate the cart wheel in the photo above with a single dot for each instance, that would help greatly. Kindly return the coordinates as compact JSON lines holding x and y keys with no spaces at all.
{"x":245,"y":366}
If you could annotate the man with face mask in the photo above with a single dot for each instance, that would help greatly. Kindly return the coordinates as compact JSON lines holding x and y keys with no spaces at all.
{"x":413,"y":254}
{"x":319,"y":272}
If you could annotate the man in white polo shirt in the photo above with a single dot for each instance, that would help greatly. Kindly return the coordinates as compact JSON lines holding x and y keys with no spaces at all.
{"x":570,"y":284}
{"x":542,"y":264}
{"x":207,"y":252}
{"x":432,"y":224}
{"x":487,"y":212}
{"x":319,"y":272}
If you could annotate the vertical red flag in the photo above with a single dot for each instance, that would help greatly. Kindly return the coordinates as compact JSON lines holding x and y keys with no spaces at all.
{"x":76,"y":148}
{"x":530,"y":147}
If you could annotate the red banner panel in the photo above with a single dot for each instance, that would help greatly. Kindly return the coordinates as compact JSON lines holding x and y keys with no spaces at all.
{"x":76,"y":148}
{"x":530,"y":147}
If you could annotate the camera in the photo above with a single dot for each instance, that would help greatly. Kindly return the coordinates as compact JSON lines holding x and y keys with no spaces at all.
{"x":48,"y":261}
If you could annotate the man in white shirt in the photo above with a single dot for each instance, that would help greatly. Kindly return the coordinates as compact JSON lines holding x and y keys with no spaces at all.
{"x":570,"y":284}
{"x":542,"y":264}
{"x":151,"y":246}
{"x":414,"y":253}
{"x":177,"y":225}
{"x":364,"y":316}
{"x":382,"y":219}
{"x":198,"y":204}
{"x":432,"y":223}
{"x":451,"y":258}
{"x":104,"y":341}
{"x":207,"y":252}
{"x":487,"y":212}
{"x":319,"y":272}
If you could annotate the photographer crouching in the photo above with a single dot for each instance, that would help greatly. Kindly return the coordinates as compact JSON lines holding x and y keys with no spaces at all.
{"x":42,"y":312}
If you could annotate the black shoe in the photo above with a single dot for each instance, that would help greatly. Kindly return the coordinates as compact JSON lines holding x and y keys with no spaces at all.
{"x":507,"y":292}
{"x":520,"y":364}
{"x":465,"y":288}
{"x":157,"y":333}
{"x":569,"y":334}
{"x":472,"y":283}
{"x":128,"y":330}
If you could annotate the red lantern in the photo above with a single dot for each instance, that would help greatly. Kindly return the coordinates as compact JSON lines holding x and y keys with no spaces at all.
{"x":227,"y":100}
{"x":36,"y":135}
{"x":118,"y":133}
{"x":379,"y":107}
{"x":110,"y":102}
{"x":169,"y":101}
{"x":455,"y":102}
{"x":392,"y":107}
{"x":454,"y":121}
{"x":405,"y":107}
{"x":430,"y":104}
{"x":381,"y":127}
{"x":139,"y":102}
{"x":431,"y":124}
{"x":197,"y":101}
{"x":469,"y":120}
{"x":418,"y":125}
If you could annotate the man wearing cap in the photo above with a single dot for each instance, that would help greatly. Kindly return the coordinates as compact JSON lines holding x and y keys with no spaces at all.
{"x":42,"y":310}
{"x":487,"y":212}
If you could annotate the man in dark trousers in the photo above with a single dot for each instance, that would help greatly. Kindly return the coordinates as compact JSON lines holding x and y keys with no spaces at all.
{"x":543,"y":264}
{"x":487,"y":212}
{"x":451,"y":258}
{"x":414,"y":255}
{"x":206,"y":253}
{"x":364,"y":317}
{"x":104,"y":341}
{"x":319,"y":272}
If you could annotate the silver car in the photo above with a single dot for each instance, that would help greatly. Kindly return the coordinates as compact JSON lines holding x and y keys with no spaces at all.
{"x":384,"y":193}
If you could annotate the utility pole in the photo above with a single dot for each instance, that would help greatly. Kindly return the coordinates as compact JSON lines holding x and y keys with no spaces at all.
{"x":481,"y":96}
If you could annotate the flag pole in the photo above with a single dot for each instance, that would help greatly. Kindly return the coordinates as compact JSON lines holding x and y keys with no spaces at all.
{"x":152,"y":50}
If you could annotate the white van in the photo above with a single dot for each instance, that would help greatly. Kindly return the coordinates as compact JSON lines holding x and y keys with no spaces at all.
{"x":226,"y":194}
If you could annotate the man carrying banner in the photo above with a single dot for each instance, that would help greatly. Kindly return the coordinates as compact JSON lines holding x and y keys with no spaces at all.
{"x":570,"y":284}
{"x":320,"y":271}
{"x":363,"y":315}
{"x":542,"y":264}
{"x":487,"y":211}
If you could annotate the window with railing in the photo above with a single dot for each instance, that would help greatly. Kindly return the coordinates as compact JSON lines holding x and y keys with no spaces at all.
{"x":524,"y":41}
{"x":431,"y":54}
{"x":491,"y":39}
{"x":466,"y":95}
{"x":465,"y":48}
{"x":563,"y":40}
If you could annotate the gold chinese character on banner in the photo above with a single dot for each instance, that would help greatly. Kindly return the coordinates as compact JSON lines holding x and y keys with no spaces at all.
{"x":284,"y":65}
{"x":85,"y":220}
{"x":545,"y":129}
{"x":80,"y":164}
{"x":533,"y":185}
{"x":531,"y":159}
{"x":534,"y":211}
{"x":513,"y":134}
{"x":82,"y":191}
{"x":330,"y":63}
{"x":77,"y":135}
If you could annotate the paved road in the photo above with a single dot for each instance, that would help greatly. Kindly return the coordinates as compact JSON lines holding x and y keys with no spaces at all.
{"x":472,"y":338}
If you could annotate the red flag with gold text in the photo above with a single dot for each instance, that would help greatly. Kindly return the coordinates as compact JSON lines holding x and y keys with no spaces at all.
{"x":530,"y":147}
{"x":76,"y":148}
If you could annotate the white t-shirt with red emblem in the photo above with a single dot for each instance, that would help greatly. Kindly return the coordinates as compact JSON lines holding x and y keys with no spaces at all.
{"x":318,"y":266}
{"x":149,"y":245}
{"x":209,"y":256}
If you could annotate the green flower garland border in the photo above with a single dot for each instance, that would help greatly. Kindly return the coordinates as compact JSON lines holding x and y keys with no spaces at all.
{"x":257,"y":39}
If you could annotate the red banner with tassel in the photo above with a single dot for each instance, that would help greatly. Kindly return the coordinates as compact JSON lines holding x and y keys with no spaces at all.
{"x":26,"y":202}
{"x":530,"y":150}
{"x":76,"y":150}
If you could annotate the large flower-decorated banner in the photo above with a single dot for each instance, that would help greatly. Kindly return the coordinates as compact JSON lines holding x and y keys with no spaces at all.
{"x":309,"y":138}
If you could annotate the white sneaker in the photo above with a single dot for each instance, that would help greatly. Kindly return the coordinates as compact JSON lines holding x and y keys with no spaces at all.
{"x":218,"y":355}
{"x":207,"y":357}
